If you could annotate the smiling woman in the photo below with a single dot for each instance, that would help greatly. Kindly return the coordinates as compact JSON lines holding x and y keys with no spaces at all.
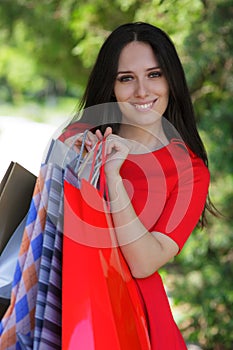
{"x":142,"y":93}
{"x":143,"y":85}
{"x":156,"y":166}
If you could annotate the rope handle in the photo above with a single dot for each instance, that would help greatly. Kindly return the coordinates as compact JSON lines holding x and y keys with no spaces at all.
{"x":80,"y":156}
{"x":97,"y":170}
{"x":95,"y":165}
{"x":103,"y":182}
{"x":97,"y":173}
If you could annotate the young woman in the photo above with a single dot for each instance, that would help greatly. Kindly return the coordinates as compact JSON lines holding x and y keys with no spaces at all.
{"x":156,"y":165}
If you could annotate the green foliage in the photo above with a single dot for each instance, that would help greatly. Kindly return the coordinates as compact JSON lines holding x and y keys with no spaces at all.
{"x":17,"y":69}
{"x":203,"y":285}
{"x":47,"y":50}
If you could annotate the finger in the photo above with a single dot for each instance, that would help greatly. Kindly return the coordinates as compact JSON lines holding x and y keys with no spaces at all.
{"x":87,"y":143}
{"x":99,"y":135}
{"x":91,"y":137}
{"x":78,"y":141}
{"x":108,"y":131}
{"x":113,"y":146}
{"x":90,"y":141}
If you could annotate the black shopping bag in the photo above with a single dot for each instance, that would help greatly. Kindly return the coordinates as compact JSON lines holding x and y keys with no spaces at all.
{"x":16,"y":189}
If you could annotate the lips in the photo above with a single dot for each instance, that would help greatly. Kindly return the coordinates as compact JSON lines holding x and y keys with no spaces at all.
{"x":144,"y":106}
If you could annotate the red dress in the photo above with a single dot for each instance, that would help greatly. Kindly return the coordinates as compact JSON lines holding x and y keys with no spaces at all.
{"x":168,"y":189}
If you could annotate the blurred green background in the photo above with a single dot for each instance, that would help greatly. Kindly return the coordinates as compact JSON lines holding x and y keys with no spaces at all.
{"x":47,"y":50}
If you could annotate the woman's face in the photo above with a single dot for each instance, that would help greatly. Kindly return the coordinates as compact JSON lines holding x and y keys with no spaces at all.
{"x":140,"y":86}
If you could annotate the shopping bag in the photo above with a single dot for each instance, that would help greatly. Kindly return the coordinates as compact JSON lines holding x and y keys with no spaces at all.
{"x":33,"y":318}
{"x":101,"y":307}
{"x":16,"y":189}
{"x":60,"y":154}
{"x":8,"y":260}
{"x":19,"y":317}
{"x":47,"y":333}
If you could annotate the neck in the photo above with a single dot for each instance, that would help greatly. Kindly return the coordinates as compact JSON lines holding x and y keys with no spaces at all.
{"x":144,"y":140}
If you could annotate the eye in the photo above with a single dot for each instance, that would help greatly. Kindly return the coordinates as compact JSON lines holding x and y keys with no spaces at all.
{"x":155,"y":74}
{"x":125,"y":78}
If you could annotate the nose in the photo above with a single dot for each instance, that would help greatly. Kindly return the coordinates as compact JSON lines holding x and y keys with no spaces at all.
{"x":141,"y":89}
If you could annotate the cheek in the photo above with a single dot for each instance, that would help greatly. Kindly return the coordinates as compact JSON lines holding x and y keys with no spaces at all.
{"x":163,"y":88}
{"x":122,"y":93}
{"x":165,"y":100}
{"x":165,"y":94}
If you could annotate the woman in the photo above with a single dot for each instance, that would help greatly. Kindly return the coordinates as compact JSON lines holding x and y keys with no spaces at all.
{"x":156,"y":165}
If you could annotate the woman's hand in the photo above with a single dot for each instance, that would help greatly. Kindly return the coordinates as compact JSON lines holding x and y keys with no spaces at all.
{"x":90,"y":140}
{"x":117,"y":150}
{"x":89,"y":143}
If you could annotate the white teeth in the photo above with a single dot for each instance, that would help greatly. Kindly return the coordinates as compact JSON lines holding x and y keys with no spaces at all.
{"x":145,"y":106}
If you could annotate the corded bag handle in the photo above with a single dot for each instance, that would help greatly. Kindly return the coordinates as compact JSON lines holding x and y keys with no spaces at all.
{"x":97,"y":172}
{"x":93,"y":159}
{"x":102,"y":177}
{"x":80,"y":156}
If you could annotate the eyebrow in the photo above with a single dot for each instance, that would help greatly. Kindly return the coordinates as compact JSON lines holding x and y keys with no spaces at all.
{"x":128,"y":71}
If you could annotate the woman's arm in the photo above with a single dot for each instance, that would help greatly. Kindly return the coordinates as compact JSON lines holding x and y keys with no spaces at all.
{"x":145,"y":252}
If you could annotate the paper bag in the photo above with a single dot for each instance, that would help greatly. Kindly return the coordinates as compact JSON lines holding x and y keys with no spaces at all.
{"x":16,"y":189}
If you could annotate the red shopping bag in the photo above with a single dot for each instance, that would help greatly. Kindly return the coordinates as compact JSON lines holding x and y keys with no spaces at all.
{"x":101,"y":307}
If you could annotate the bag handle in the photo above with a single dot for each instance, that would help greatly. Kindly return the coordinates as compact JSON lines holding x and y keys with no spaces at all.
{"x":97,"y":170}
{"x":81,"y":166}
{"x":80,"y":156}
{"x":103,"y":182}
{"x":97,"y":166}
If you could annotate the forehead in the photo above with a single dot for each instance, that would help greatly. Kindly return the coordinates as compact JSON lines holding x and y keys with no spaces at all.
{"x":137,"y":54}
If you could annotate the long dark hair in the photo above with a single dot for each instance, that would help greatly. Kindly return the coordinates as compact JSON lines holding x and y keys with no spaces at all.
{"x":100,"y":88}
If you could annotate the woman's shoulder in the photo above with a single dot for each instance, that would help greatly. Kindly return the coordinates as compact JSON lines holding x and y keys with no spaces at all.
{"x":178,"y":157}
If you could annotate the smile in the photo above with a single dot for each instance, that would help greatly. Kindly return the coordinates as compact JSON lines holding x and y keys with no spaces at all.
{"x":143,"y":107}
